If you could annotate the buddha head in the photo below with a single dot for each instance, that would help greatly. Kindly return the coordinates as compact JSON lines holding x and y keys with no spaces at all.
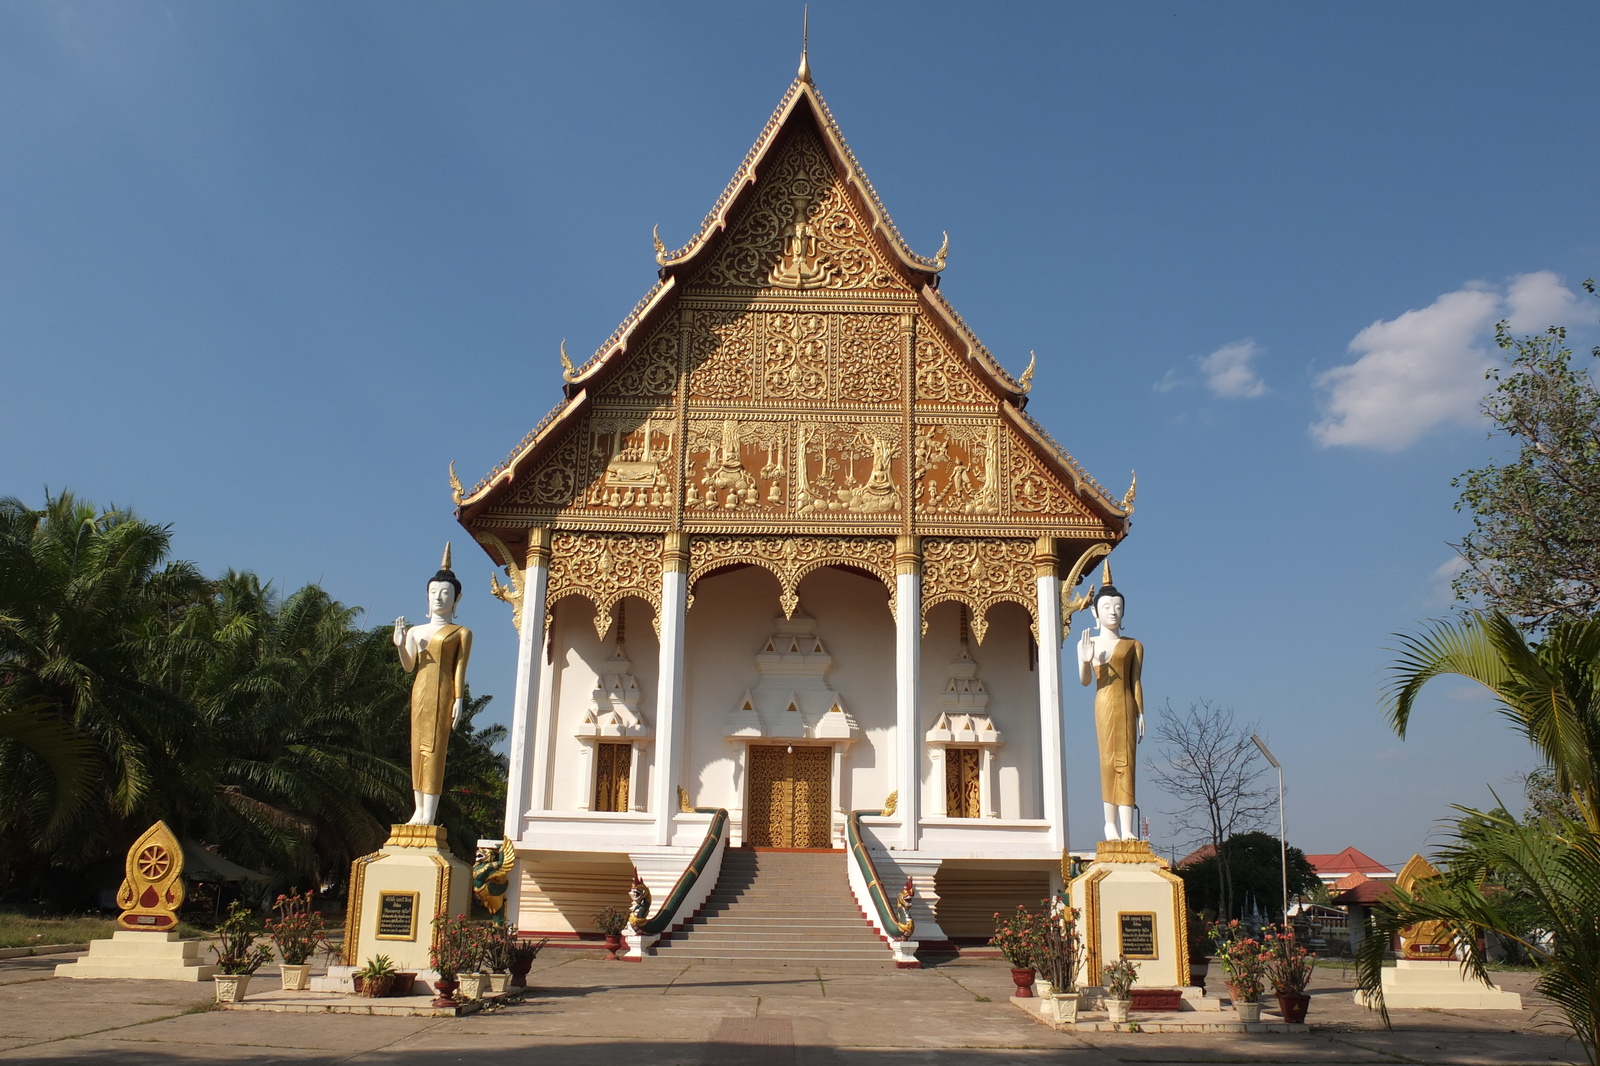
{"x":1108,"y":603}
{"x":444,"y":590}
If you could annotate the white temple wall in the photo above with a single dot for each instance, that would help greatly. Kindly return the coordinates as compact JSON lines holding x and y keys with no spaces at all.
{"x":732,"y":616}
{"x":1013,"y":690}
{"x":581,"y":657}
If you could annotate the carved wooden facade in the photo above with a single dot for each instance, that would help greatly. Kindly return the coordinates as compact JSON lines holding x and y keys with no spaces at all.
{"x":794,"y":393}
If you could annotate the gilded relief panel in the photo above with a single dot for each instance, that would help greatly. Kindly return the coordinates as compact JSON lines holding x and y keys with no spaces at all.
{"x":1037,"y":491}
{"x":795,"y":349}
{"x":848,"y":468}
{"x":800,"y":230}
{"x":722,"y":355}
{"x":736,"y":467}
{"x":942,"y":376}
{"x":869,"y":358}
{"x":958,"y":469}
{"x":650,"y":373}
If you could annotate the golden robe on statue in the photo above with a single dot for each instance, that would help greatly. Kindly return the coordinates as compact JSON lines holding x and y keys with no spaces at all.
{"x":441,"y":680}
{"x":1118,"y":703}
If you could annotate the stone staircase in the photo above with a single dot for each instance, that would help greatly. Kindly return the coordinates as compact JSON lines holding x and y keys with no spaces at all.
{"x":780,"y":908}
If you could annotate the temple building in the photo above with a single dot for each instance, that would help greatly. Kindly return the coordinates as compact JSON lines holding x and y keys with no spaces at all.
{"x":791,"y":567}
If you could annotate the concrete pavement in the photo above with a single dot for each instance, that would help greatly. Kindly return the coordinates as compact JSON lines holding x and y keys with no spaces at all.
{"x":589,"y":1011}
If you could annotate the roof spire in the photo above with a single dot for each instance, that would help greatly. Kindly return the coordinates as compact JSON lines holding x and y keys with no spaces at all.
{"x":805,"y":43}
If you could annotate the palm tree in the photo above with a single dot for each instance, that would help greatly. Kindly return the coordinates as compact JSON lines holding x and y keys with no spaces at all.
{"x":75,"y":588}
{"x":1550,"y":864}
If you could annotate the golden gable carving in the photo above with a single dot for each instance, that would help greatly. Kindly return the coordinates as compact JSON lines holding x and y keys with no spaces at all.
{"x":800,"y":230}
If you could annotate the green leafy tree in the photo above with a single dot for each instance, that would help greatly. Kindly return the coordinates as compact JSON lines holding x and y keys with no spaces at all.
{"x":1256,"y":867}
{"x":1534,"y":549}
{"x":1503,"y":876}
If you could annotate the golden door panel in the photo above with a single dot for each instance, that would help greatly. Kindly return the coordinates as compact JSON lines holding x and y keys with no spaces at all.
{"x":790,"y":803}
{"x":613,"y":764}
{"x":961,"y":791}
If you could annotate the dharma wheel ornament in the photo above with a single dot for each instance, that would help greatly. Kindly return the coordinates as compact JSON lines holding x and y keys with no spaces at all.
{"x":152,"y":886}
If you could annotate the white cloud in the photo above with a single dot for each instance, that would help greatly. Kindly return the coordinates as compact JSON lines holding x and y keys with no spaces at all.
{"x":1441,"y":588}
{"x":1229,"y":373}
{"x":1168,"y":382}
{"x":1425,"y":368}
{"x":1537,"y":301}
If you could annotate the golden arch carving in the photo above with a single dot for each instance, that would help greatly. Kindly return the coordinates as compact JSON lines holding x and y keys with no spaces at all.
{"x":790,"y":559}
{"x":1071,"y":604}
{"x":605,"y":569}
{"x":979,"y":573}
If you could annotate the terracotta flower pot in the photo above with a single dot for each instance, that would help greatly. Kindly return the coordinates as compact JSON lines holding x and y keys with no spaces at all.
{"x":444,"y":992}
{"x":1023,"y":979}
{"x":613,"y":942}
{"x":404,"y":984}
{"x":1293,"y":1007}
{"x":295,"y":978}
{"x":519,"y":975}
{"x":377,"y":987}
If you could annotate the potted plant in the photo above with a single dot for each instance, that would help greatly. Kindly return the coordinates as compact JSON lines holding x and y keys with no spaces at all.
{"x":1015,"y":937}
{"x":376,"y":977}
{"x":1118,"y":978}
{"x":1289,"y":968}
{"x":523,"y":951}
{"x":610,"y":922}
{"x":497,"y":955}
{"x":238,"y":954}
{"x":1244,"y":967}
{"x":450,"y":954}
{"x":1056,"y":960}
{"x":297,"y":933}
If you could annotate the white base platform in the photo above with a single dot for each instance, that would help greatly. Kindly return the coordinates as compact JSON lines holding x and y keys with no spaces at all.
{"x":141,"y":956}
{"x":1438,"y":984}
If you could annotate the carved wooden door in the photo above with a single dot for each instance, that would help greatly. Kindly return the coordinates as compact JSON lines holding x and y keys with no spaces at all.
{"x":613,"y":766}
{"x":790,"y":802}
{"x":962,"y":796}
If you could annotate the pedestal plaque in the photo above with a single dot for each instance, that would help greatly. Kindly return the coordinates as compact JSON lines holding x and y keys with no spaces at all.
{"x":1132,"y":907}
{"x":396,"y":892}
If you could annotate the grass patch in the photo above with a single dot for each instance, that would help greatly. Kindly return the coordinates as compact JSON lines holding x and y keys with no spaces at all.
{"x":20,"y":931}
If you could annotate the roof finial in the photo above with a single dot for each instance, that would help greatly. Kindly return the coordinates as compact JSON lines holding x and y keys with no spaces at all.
{"x":661,"y":249}
{"x":805,"y":44}
{"x":1026,"y":380}
{"x":568,"y":371}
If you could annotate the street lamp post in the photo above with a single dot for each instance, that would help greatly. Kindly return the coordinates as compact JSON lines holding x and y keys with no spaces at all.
{"x":1283,"y":844}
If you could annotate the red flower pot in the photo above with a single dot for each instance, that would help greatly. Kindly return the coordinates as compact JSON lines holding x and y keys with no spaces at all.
{"x":1023,"y":979}
{"x":519,"y":975}
{"x":612,"y":944}
{"x":444,"y":991}
{"x":1292,"y":1007}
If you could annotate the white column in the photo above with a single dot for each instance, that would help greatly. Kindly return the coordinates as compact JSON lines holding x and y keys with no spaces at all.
{"x":907,"y":663}
{"x":1050,"y":732}
{"x":530,"y":665}
{"x":669,"y":693}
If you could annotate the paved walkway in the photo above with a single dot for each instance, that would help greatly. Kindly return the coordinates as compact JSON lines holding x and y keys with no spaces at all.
{"x":589,"y":1011}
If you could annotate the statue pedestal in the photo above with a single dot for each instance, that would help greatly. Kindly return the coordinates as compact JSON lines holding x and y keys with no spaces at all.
{"x":1131,"y":907}
{"x":1439,"y":984}
{"x":395,"y":893}
{"x":141,"y":956}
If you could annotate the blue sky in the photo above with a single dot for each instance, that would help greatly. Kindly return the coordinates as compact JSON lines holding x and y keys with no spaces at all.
{"x":265,"y":269}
